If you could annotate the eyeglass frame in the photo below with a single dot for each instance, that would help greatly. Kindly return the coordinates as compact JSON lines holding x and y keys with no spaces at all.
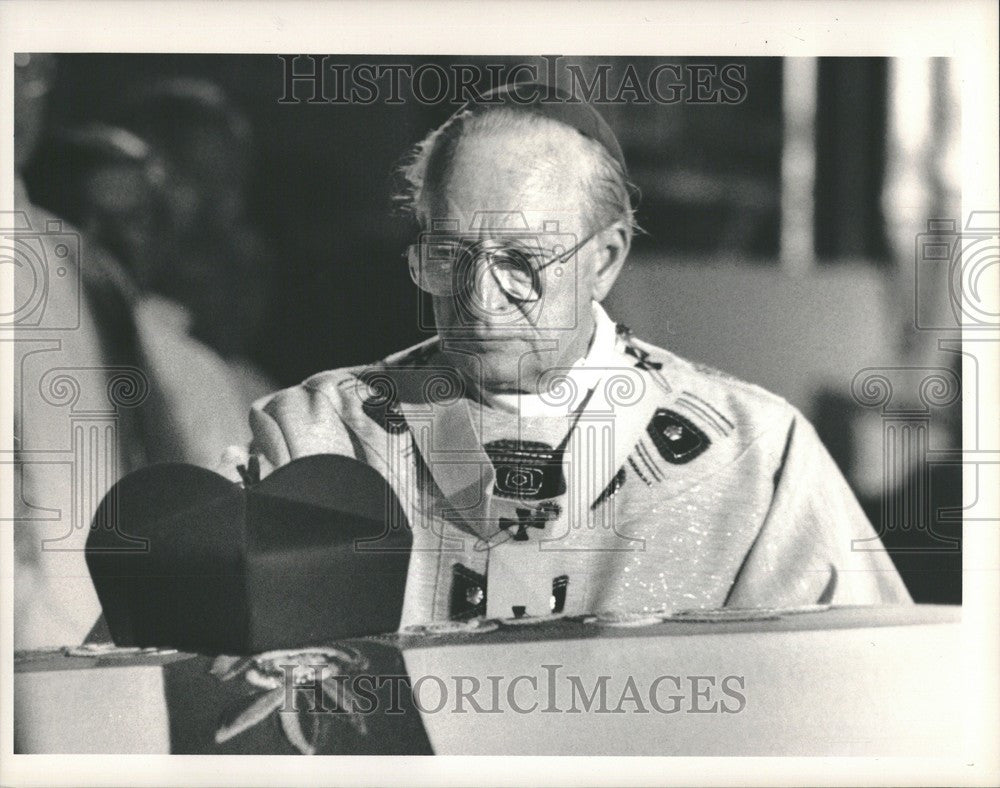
{"x":536,"y":269}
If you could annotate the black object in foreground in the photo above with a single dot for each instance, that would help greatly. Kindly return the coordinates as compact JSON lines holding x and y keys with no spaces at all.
{"x":184,"y":558}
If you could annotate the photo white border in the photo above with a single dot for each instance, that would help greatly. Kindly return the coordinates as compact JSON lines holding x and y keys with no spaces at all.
{"x":961,"y":29}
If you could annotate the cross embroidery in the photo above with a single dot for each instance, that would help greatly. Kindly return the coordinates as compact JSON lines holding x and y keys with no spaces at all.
{"x":526,"y":518}
{"x":652,"y":367}
{"x":643,"y":359}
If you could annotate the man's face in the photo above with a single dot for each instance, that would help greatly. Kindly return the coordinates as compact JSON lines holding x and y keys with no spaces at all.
{"x":498,"y":187}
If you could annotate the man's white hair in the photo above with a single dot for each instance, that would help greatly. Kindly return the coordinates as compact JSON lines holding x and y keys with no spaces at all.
{"x":604,"y":186}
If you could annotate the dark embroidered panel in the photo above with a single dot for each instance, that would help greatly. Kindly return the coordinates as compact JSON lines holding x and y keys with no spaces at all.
{"x":677,"y":439}
{"x":526,"y":470}
{"x":468,"y":594}
{"x":559,"y":587}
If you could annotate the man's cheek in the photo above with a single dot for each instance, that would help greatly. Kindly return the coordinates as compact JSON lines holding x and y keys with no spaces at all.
{"x":444,"y":313}
{"x":560,"y":314}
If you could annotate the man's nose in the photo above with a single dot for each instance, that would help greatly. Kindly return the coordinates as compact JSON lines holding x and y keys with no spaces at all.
{"x":486,"y":293}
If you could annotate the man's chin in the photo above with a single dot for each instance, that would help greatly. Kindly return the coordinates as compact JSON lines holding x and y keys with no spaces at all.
{"x":495,"y":380}
{"x":499,"y":351}
{"x":498,"y":365}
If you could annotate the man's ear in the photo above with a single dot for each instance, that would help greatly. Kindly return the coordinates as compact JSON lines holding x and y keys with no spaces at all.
{"x":612,"y":249}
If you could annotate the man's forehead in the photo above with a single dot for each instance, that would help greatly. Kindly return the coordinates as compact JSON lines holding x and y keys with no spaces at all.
{"x":503,"y":181}
{"x":466,"y":220}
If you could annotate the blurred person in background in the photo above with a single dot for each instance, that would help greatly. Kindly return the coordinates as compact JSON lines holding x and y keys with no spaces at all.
{"x":107,"y":182}
{"x":206,"y":145}
{"x":112,"y":184}
{"x":83,"y":323}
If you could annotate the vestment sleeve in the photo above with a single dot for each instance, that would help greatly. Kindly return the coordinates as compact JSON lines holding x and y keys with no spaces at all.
{"x":815,"y":544}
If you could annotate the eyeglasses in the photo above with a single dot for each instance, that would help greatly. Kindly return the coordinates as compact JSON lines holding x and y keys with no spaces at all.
{"x":445,"y":266}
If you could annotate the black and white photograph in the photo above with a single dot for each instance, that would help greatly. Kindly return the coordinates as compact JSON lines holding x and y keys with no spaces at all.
{"x":375,"y":385}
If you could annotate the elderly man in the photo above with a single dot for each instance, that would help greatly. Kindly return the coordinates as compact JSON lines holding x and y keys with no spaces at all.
{"x":548,"y":460}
